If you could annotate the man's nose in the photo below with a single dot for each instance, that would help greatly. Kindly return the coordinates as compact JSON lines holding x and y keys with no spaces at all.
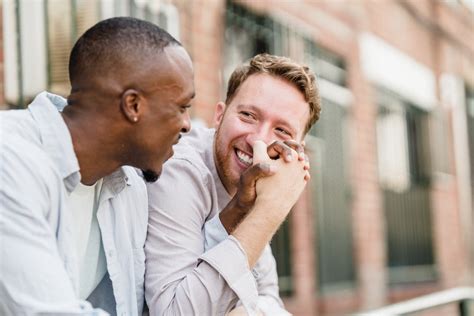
{"x":186,"y":124}
{"x":262,"y":133}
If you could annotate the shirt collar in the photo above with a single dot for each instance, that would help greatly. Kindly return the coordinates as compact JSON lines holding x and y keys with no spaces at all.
{"x":114,"y":183}
{"x":55,"y":136}
{"x":57,"y":142}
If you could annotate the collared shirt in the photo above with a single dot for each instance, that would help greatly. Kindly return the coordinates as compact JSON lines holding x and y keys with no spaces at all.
{"x":193,"y":266}
{"x":38,"y":265}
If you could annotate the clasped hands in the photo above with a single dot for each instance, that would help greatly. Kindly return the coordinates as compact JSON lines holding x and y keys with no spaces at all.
{"x":290,"y":173}
{"x":276,"y":179}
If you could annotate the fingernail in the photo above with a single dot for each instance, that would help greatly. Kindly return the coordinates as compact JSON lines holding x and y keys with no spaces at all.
{"x":289,"y":157}
{"x":268,"y":167}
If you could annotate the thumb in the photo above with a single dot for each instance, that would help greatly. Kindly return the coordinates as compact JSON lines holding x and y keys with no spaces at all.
{"x":260,"y":152}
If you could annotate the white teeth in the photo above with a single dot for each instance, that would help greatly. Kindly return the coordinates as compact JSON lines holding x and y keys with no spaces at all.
{"x":246,"y":159}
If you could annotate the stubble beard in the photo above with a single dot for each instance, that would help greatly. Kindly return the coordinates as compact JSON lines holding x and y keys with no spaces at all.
{"x":222,"y":156}
{"x":150,"y":176}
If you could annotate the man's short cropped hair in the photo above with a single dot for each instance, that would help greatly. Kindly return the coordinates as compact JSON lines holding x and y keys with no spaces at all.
{"x":285,"y":68}
{"x":114,"y":44}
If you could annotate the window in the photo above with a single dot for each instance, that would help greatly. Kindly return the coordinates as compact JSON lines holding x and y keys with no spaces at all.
{"x":25,"y":51}
{"x":404,"y":174}
{"x":331,"y":199}
{"x":39,"y":36}
{"x":65,"y":22}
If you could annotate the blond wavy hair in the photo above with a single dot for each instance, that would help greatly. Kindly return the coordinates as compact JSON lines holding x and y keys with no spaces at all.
{"x":285,"y":68}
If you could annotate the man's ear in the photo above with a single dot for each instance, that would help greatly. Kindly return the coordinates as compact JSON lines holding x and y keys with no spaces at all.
{"x":219,"y":113}
{"x":131,"y":105}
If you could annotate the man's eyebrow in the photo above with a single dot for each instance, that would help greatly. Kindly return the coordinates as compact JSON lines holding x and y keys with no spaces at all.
{"x":190,"y":96}
{"x":248,"y":106}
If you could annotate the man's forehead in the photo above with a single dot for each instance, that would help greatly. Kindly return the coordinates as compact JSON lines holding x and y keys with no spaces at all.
{"x":172,"y":69}
{"x":176,"y":56}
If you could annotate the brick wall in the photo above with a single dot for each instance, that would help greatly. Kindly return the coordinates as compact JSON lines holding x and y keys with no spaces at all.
{"x":432,"y":33}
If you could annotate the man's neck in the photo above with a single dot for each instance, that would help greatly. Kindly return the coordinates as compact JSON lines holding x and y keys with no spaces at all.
{"x":91,"y":150}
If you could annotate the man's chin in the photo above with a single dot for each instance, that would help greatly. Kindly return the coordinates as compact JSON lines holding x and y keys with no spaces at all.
{"x":150,"y":175}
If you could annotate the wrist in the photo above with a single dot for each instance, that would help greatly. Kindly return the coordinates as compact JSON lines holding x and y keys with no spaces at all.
{"x":271,"y":213}
{"x":233,"y":214}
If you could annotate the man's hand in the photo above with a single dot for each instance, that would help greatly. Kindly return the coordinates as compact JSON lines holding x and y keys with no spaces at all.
{"x":244,"y":199}
{"x":275,"y":197}
{"x":280,"y":192}
{"x":283,"y":149}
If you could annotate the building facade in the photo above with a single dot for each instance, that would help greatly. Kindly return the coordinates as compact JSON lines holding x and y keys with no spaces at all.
{"x":388,"y":214}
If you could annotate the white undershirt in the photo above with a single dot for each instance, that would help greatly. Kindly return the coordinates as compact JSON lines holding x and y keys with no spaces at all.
{"x":84,"y":202}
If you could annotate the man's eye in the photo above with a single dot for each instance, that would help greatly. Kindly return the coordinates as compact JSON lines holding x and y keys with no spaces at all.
{"x":184,"y":108}
{"x":247,"y":114}
{"x":283,"y":131}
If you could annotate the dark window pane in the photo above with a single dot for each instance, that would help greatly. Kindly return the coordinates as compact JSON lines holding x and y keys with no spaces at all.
{"x":402,"y":128}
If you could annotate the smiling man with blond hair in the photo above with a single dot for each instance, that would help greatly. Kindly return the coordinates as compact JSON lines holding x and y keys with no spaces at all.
{"x":210,"y":220}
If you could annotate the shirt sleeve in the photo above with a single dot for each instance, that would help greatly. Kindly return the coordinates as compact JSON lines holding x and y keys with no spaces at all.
{"x":33,"y":278}
{"x":265,"y":273}
{"x":181,"y":277}
{"x":269,"y":302}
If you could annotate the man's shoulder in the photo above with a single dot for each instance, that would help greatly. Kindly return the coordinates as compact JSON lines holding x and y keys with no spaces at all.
{"x":29,"y":179}
{"x":194,"y":151}
{"x":26,"y":167}
{"x":198,"y":140}
{"x":189,"y":166}
{"x":20,"y":149}
{"x":18,"y":124}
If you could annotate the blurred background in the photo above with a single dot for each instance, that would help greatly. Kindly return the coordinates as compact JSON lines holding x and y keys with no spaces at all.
{"x":388,"y":214}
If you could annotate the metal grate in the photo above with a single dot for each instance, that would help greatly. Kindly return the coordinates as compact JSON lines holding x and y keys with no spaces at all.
{"x":470,"y":133}
{"x":331,"y":199}
{"x":280,"y":247}
{"x":404,"y":169}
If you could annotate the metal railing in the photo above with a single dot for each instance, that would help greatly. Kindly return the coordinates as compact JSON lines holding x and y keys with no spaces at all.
{"x":459,"y":295}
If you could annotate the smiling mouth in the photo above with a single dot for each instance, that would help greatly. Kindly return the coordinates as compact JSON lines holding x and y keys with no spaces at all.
{"x":244,"y":158}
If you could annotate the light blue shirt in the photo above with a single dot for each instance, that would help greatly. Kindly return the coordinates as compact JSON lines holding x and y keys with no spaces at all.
{"x":38,"y":265}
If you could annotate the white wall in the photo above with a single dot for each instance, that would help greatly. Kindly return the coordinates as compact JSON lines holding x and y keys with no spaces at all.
{"x":386,"y":66}
{"x":33,"y":49}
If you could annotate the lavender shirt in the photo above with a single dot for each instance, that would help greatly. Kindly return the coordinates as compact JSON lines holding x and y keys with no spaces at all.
{"x":193,"y":266}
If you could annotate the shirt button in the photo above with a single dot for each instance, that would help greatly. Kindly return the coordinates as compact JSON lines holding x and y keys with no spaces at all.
{"x":255,"y":273}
